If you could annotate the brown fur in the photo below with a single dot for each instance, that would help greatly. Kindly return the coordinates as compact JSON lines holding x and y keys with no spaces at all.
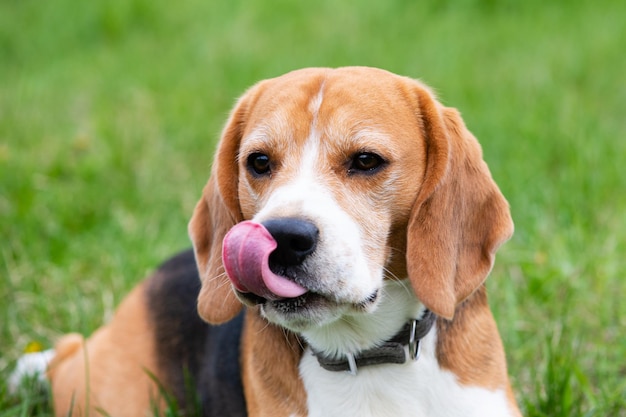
{"x":109,"y":371}
{"x":272,"y":387}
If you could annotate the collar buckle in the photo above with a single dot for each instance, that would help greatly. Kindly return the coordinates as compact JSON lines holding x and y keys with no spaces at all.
{"x":414,"y":342}
{"x":352,"y":364}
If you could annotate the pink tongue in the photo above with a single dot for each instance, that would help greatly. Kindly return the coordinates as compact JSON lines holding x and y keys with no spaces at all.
{"x":245,"y":254}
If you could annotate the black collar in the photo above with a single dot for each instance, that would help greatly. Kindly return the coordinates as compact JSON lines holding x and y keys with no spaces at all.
{"x":391,"y":351}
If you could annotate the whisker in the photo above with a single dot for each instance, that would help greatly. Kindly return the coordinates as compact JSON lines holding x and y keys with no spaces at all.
{"x":390,"y":274}
{"x":298,"y":340}
{"x":267,"y":324}
{"x":221,"y":277}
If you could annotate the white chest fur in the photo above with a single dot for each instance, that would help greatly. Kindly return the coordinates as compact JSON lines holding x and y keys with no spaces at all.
{"x":414,"y":389}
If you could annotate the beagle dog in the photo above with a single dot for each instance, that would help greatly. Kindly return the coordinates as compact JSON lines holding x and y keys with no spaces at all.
{"x":353,"y":216}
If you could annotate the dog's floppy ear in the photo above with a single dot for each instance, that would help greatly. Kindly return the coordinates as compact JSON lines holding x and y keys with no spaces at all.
{"x":459,"y":218}
{"x":217,"y":211}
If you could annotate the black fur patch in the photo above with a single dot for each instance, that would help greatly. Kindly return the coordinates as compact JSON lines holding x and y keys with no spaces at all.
{"x":200,"y":362}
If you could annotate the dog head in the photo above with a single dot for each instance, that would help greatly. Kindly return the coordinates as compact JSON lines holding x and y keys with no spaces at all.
{"x":331,"y":181}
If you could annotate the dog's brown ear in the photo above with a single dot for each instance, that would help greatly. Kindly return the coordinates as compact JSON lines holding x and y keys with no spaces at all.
{"x":217,"y":211}
{"x":459,"y":218}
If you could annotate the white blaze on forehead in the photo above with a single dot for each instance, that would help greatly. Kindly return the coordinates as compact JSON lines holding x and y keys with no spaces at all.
{"x":313,"y":141}
{"x":316,"y":103}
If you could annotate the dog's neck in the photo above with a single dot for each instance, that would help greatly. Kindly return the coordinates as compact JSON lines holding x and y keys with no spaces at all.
{"x":354,"y":333}
{"x":390,"y":351}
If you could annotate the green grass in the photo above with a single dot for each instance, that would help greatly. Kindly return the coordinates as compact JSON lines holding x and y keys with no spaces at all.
{"x":109,"y":112}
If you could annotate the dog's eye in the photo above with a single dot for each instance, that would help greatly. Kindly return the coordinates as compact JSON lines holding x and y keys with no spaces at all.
{"x":366,"y":162}
{"x":259,"y":163}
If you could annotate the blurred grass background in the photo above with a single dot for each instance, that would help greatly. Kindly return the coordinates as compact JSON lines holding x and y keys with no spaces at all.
{"x":110,"y":110}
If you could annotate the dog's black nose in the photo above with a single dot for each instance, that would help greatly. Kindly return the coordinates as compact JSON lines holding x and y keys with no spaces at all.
{"x":296,"y":239}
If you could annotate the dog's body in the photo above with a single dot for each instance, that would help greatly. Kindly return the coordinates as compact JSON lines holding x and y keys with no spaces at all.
{"x":347,"y":209}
